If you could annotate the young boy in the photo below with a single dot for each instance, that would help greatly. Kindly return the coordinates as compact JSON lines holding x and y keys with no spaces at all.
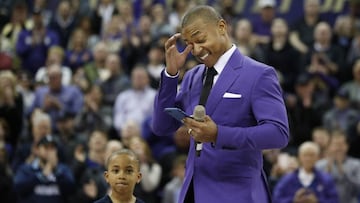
{"x":122,"y":173}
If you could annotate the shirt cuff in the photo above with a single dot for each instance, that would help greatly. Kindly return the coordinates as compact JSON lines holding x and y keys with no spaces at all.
{"x":171,"y":76}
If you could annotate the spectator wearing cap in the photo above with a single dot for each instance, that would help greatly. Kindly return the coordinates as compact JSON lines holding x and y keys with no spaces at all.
{"x":341,"y":116}
{"x":33,"y":44}
{"x":262,"y":22}
{"x":44,"y":179}
{"x":305,"y":109}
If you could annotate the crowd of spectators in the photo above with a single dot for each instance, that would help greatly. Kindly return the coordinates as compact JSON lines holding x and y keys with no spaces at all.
{"x":78,"y":79}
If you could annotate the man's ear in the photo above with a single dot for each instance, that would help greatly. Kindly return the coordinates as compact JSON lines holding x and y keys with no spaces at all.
{"x":222,"y":26}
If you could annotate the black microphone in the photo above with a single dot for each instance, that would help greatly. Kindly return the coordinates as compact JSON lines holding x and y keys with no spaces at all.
{"x":199,"y":115}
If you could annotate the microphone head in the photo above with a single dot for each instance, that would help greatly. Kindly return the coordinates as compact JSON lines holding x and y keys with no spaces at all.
{"x":199,"y":113}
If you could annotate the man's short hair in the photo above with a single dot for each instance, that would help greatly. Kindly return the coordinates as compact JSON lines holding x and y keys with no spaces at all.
{"x":206,"y":13}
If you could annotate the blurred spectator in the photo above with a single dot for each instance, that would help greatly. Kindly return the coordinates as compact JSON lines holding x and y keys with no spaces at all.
{"x":229,"y":12}
{"x":63,"y":22}
{"x":25,"y":86}
{"x":33,"y":44}
{"x":321,"y":136}
{"x":77,"y":54}
{"x":7,"y":193}
{"x":44,"y":179}
{"x":93,"y":157}
{"x":4,"y":144}
{"x":161,"y":146}
{"x":93,"y":114}
{"x":160,"y":22}
{"x":55,"y":56}
{"x":88,"y":164}
{"x":81,"y":8}
{"x":325,"y":58}
{"x":11,"y":106}
{"x":130,"y":129}
{"x":40,"y":127}
{"x":282,"y":56}
{"x":306,"y":184}
{"x":95,"y":70}
{"x":344,"y":31}
{"x":126,"y":12}
{"x":92,"y":184}
{"x":114,"y":34}
{"x":305,"y":110}
{"x":5,"y":57}
{"x":245,"y":40}
{"x":151,"y":171}
{"x":262,"y":22}
{"x":67,"y":135}
{"x":172,"y":189}
{"x":5,"y":12}
{"x":177,"y":10}
{"x":341,"y":116}
{"x":57,"y":99}
{"x":344,"y":169}
{"x":84,"y":23}
{"x":136,"y":103}
{"x":137,"y":45}
{"x":354,"y":11}
{"x":302,"y":32}
{"x":282,"y":164}
{"x":102,"y":15}
{"x":353,"y":86}
{"x":116,"y":83}
{"x":11,"y":30}
{"x":163,"y":150}
{"x":156,"y":64}
{"x":45,"y":7}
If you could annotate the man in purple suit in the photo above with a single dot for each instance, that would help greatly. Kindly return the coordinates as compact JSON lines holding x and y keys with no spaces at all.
{"x":245,"y":112}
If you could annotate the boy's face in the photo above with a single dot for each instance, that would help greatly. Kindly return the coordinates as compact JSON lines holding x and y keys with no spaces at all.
{"x":122,"y":174}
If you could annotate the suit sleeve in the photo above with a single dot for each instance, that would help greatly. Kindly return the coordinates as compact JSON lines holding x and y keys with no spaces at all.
{"x":162,"y":123}
{"x":271,"y":130}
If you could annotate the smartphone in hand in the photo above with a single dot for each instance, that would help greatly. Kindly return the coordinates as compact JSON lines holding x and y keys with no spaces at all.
{"x":177,"y":113}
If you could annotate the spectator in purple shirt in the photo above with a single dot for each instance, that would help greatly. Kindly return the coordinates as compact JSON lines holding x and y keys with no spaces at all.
{"x":32,"y":45}
{"x":57,"y":99}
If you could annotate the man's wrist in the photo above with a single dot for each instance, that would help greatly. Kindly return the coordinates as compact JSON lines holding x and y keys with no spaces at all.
{"x":170,"y":75}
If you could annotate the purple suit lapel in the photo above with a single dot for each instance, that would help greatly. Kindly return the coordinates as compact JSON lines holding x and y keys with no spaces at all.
{"x":226,"y":78}
{"x":197,"y":84}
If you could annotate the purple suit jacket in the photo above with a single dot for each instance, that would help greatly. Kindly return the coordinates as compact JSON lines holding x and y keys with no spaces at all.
{"x":231,"y":169}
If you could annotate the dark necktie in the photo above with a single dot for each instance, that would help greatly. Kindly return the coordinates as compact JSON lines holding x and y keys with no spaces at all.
{"x":209,"y":80}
